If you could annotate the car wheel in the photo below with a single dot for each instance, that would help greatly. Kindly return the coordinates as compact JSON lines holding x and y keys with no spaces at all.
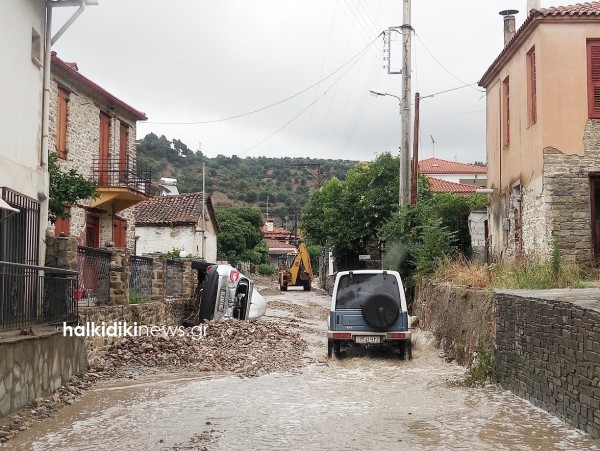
{"x":409,"y":349}
{"x":307,"y":286}
{"x":209,"y":296}
{"x":283,"y":287}
{"x":337,"y":349}
{"x":380,"y":310}
{"x":329,"y":347}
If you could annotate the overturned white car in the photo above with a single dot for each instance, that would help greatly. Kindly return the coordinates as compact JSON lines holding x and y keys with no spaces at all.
{"x":227,"y":293}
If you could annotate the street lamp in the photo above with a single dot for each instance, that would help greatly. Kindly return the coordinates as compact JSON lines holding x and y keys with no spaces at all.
{"x":404,"y":172}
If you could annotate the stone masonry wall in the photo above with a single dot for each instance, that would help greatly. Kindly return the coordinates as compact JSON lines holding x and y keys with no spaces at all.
{"x":549,"y":354}
{"x":31,"y":367}
{"x":462,"y":319}
{"x":567,"y":193}
{"x":536,"y":233}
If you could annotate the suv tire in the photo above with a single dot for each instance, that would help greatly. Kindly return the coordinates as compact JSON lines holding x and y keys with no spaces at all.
{"x":380,"y":311}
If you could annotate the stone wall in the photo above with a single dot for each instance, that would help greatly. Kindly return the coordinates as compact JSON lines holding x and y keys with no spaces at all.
{"x":31,"y":367}
{"x":461,"y":319}
{"x":549,"y":354}
{"x":61,"y":252}
{"x":544,"y":350}
{"x":567,"y":194}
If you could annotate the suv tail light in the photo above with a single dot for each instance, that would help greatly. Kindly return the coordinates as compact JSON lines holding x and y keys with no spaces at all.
{"x":234,"y":275}
{"x":396,"y":335}
{"x":342,"y":335}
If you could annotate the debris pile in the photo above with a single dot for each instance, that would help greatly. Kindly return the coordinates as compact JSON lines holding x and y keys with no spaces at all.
{"x":245,"y":348}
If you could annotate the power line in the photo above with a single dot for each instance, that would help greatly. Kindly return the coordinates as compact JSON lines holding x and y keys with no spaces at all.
{"x":305,"y":109}
{"x":443,"y":67}
{"x":357,"y":55}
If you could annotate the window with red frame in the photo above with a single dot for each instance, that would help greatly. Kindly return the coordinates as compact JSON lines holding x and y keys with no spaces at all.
{"x":593,"y":68}
{"x":531,"y":88}
{"x":61,"y":123}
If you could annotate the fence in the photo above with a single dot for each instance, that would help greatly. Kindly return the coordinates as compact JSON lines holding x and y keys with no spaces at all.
{"x":174,"y":279}
{"x":31,"y":295}
{"x":140,"y":279}
{"x":93,"y":266}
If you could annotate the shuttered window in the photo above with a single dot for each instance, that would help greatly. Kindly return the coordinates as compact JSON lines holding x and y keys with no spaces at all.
{"x":531,"y":88}
{"x":593,"y":60}
{"x":61,"y":123}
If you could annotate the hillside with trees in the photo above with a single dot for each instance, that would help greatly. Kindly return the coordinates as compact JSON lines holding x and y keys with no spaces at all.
{"x":285,"y":183}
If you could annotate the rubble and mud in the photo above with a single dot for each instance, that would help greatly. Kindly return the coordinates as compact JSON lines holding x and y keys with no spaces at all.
{"x":243,"y":348}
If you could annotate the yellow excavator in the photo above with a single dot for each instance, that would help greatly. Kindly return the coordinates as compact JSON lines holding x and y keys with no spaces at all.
{"x":296,"y":271}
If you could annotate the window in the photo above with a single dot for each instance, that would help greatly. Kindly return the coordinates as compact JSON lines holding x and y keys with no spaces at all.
{"x":531,"y":88}
{"x":505,"y":112}
{"x":123,"y":148}
{"x":92,"y":231}
{"x":36,"y":48}
{"x":61,"y":123}
{"x":593,"y":62}
{"x":104,"y":150}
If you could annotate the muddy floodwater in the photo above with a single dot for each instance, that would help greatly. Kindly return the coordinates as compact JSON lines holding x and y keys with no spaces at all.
{"x":369,"y":400}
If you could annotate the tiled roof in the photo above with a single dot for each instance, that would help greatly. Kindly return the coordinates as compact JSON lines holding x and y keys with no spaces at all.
{"x":580,"y":10}
{"x":72,"y":70}
{"x":280,"y":247}
{"x":439,"y":166}
{"x":183,"y":209}
{"x":443,"y":186}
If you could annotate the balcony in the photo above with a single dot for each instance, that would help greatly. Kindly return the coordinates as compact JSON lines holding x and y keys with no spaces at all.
{"x":121,"y":182}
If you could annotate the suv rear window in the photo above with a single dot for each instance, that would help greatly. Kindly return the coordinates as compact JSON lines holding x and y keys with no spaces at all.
{"x":354,"y":289}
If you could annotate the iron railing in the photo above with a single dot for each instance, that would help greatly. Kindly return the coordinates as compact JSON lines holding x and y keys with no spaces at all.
{"x":19,"y":232}
{"x":32,"y":295}
{"x":93,"y":266}
{"x":174,"y":279}
{"x":140,"y":278}
{"x":122,"y":173}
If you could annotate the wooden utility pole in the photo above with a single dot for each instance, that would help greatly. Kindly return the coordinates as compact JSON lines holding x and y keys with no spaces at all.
{"x":415,"y":157}
{"x":406,"y":100}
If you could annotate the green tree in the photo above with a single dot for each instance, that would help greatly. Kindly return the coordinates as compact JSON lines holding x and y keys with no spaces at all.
{"x":241,"y":237}
{"x":66,"y":188}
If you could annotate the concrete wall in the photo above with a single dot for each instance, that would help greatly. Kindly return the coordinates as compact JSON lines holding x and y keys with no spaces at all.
{"x":31,"y":367}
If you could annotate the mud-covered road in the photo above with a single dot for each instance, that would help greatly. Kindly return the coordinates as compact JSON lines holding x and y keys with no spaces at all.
{"x":367,"y":400}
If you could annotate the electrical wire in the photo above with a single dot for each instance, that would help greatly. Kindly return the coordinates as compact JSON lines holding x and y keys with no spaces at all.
{"x":443,"y":67}
{"x":305,"y":109}
{"x":357,"y":55}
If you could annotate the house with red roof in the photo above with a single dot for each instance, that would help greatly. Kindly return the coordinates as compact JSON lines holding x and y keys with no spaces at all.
{"x":93,"y":132}
{"x":453,"y":177}
{"x":183,"y":221}
{"x":543,"y":130}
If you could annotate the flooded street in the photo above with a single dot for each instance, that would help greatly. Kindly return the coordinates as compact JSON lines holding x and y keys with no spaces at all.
{"x":367,"y":400}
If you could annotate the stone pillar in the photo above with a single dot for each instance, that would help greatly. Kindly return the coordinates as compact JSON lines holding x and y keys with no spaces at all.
{"x":158,"y":276}
{"x":119,"y":276}
{"x":190,"y":280}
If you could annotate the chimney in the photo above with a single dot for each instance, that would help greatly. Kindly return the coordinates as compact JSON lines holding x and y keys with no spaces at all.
{"x":509,"y":24}
{"x":532,"y":4}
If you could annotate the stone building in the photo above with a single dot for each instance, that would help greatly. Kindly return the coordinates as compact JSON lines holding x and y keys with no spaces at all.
{"x":543,"y":135}
{"x":165,"y":223}
{"x":94,"y":133}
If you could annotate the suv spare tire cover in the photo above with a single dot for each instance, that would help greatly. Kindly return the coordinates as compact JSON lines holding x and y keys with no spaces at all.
{"x":380,"y":310}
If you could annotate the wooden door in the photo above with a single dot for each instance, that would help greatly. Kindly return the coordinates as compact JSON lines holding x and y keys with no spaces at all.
{"x":92,"y":231}
{"x":120,"y":232}
{"x":595,"y":214}
{"x":104,"y":151}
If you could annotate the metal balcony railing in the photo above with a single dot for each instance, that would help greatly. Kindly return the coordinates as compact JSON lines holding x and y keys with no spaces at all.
{"x":122,"y":173}
{"x":31,"y":295}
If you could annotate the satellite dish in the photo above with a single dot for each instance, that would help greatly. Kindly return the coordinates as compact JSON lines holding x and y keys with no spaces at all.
{"x":509,"y":12}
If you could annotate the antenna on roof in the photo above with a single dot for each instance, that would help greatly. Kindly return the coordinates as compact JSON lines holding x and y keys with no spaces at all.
{"x":432,"y":145}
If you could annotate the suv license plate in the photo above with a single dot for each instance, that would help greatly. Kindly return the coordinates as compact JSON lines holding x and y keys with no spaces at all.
{"x":368,"y":339}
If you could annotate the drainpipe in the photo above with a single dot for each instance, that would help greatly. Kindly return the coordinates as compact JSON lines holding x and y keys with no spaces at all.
{"x":48,"y":41}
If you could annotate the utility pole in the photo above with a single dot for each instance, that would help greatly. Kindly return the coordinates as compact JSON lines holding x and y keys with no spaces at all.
{"x":415,"y":158}
{"x":406,"y":100}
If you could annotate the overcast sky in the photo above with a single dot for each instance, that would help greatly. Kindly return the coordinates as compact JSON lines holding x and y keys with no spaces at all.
{"x":183,"y":61}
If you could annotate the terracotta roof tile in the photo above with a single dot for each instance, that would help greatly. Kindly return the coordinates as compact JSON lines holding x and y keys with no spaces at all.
{"x":182,"y":209}
{"x":439,"y":166}
{"x":443,"y":186}
{"x":72,"y":70}
{"x":584,"y":10}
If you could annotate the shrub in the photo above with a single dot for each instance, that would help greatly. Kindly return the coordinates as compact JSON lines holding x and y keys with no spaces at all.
{"x":266,"y":269}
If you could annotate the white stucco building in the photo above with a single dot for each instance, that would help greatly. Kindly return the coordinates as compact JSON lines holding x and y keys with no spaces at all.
{"x":180,"y":222}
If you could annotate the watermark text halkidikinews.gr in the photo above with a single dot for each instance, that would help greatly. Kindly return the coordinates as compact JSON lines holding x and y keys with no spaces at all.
{"x":125,"y":329}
